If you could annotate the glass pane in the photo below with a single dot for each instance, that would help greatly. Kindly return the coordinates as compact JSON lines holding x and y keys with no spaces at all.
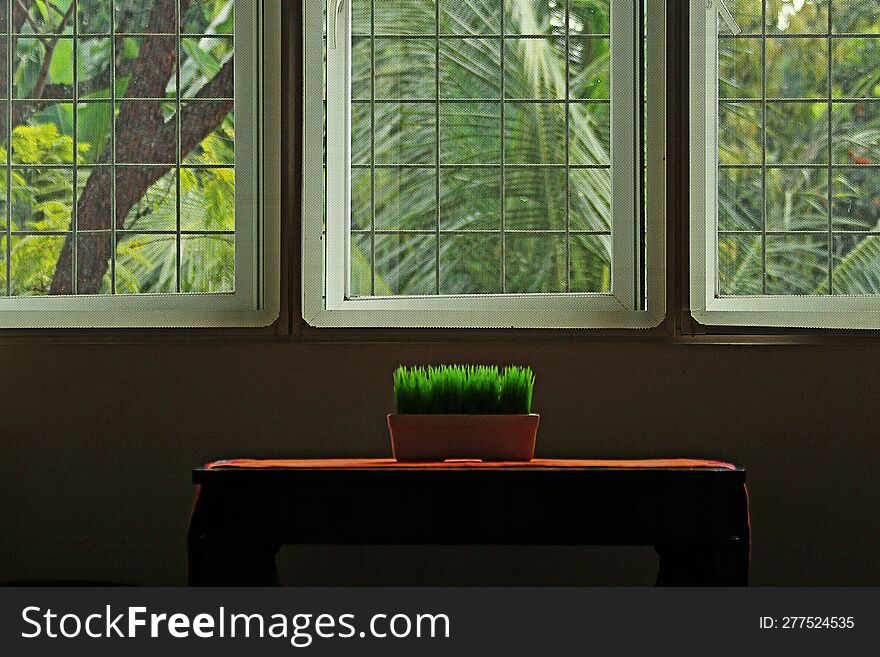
{"x":195,"y":252}
{"x":534,"y":133}
{"x":470,"y":68}
{"x":153,"y":16}
{"x":590,"y":192}
{"x":405,"y":69}
{"x":797,"y":68}
{"x":41,"y":198}
{"x":405,"y":133}
{"x":361,"y":269}
{"x":93,"y":67}
{"x":797,"y":16}
{"x":94,"y":16}
{"x":748,"y":14}
{"x":470,"y":264}
{"x":856,"y":264}
{"x":146,"y":112}
{"x":146,"y":263}
{"x":522,"y":76}
{"x":361,"y":203}
{"x":856,"y":68}
{"x":206,"y":198}
{"x":457,"y":17}
{"x":590,"y":133}
{"x":156,"y":209}
{"x":518,"y":179}
{"x":856,"y":127}
{"x":470,"y":133}
{"x":739,"y":64}
{"x":405,"y":17}
{"x":95,"y":209}
{"x":3,"y":262}
{"x":797,"y":264}
{"x":31,"y":73}
{"x":855,"y":17}
{"x":534,"y":199}
{"x":740,"y":267}
{"x":470,"y":198}
{"x":740,"y":199}
{"x":361,"y":133}
{"x":589,"y":68}
{"x":95,"y":249}
{"x":797,"y":199}
{"x":591,"y":263}
{"x":406,"y":198}
{"x":591,"y":17}
{"x":797,"y":133}
{"x":34,"y":265}
{"x":535,"y":263}
{"x":44,"y":18}
{"x":93,"y":131}
{"x":406,"y":264}
{"x":740,"y":136}
{"x":361,"y":69}
{"x":361,"y":16}
{"x":208,"y":17}
{"x":857,"y":198}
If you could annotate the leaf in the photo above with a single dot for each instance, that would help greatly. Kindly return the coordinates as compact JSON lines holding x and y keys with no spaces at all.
{"x":61,"y":64}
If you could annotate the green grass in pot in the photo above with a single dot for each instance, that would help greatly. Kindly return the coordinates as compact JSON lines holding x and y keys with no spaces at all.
{"x":460,"y":389}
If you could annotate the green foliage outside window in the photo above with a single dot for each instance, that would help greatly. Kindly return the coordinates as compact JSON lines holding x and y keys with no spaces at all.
{"x":174,"y":204}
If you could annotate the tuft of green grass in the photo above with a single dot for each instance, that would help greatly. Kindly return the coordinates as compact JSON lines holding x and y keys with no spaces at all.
{"x":464,"y":389}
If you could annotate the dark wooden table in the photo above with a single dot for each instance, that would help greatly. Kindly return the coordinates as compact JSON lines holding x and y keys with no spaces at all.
{"x":695,"y":514}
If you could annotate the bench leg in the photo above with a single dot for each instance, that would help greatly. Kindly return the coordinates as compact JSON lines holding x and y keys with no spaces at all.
{"x":221,"y":549}
{"x":710,"y":564}
{"x":219,"y":563}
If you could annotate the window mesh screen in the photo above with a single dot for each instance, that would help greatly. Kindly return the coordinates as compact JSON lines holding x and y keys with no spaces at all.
{"x":118,"y":127}
{"x":481,"y":147}
{"x":799,"y":148}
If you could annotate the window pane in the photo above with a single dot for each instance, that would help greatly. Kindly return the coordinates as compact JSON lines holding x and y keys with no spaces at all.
{"x":857,"y":264}
{"x":739,"y":68}
{"x":797,"y":17}
{"x":122,"y":150}
{"x":740,"y":194}
{"x":748,"y":14}
{"x":740,"y":264}
{"x":797,"y":175}
{"x":470,"y":264}
{"x":481,"y":163}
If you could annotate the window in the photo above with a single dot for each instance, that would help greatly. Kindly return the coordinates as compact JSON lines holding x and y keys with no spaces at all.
{"x":786,"y":164}
{"x":129,"y":198}
{"x":485,"y":163}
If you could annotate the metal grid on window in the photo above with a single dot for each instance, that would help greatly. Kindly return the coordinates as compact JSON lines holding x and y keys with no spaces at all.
{"x":799,"y":179}
{"x":119,"y":28}
{"x":436,"y":211}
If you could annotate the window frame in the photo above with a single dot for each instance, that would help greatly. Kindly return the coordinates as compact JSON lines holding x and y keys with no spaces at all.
{"x":324,"y":299}
{"x":256,"y":299}
{"x":708,"y":307}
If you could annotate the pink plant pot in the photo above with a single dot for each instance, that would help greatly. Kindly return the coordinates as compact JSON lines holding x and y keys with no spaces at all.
{"x":445,"y":437}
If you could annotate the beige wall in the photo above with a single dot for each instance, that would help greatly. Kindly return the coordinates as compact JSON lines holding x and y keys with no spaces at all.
{"x":98,"y":441}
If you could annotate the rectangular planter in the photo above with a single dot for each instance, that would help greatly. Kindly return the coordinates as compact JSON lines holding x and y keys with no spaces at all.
{"x":445,"y":437}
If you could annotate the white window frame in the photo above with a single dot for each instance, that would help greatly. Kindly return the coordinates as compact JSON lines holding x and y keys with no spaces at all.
{"x":708,"y":307}
{"x":256,"y":299}
{"x":324,"y":294}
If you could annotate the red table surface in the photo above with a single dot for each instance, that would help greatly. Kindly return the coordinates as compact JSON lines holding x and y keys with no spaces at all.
{"x":366,"y":464}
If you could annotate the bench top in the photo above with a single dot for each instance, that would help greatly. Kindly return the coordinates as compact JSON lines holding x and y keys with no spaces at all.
{"x":253,"y":467}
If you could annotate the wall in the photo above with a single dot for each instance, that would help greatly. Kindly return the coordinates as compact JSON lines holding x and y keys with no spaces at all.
{"x":98,"y":441}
